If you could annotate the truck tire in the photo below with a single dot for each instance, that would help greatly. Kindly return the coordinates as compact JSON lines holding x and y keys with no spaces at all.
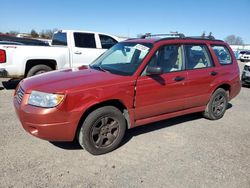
{"x":38,"y":69}
{"x":102,"y":131}
{"x":217,"y":105}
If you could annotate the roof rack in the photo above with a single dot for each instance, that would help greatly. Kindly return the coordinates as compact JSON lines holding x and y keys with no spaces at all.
{"x":209,"y":37}
{"x":180,"y":35}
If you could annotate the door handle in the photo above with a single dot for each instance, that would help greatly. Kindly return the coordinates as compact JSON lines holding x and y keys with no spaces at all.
{"x":78,"y":53}
{"x":213,"y":73}
{"x":179,"y":78}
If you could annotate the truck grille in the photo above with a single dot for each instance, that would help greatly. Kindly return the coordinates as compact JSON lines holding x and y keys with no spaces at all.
{"x":19,"y":94}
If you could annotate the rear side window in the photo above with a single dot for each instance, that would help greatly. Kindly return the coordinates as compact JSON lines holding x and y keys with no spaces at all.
{"x":84,"y":40}
{"x":222,"y":54}
{"x":59,"y":39}
{"x":197,"y":56}
{"x":107,"y":41}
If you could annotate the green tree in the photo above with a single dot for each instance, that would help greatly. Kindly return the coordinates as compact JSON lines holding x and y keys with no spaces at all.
{"x":34,"y":34}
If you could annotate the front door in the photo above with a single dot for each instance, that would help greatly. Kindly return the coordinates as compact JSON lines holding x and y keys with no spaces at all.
{"x":165,"y":93}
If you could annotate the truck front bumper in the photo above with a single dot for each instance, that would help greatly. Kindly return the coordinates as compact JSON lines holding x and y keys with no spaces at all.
{"x":3,"y":72}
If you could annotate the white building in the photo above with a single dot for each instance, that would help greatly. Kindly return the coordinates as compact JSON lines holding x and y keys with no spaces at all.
{"x":240,"y":47}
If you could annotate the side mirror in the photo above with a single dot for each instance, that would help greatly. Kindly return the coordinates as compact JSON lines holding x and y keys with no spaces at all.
{"x":154,"y":70}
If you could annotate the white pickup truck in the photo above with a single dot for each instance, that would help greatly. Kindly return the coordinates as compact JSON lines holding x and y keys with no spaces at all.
{"x":69,"y":49}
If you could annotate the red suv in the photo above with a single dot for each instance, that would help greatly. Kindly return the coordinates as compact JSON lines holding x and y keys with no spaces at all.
{"x":136,"y":82}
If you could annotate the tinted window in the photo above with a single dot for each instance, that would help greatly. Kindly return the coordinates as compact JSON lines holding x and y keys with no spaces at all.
{"x":169,"y":58}
{"x":197,"y":56}
{"x":84,"y":40}
{"x":222,"y":54}
{"x":59,"y":39}
{"x":107,"y":42}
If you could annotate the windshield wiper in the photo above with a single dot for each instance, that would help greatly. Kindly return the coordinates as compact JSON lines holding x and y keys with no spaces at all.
{"x":99,"y":67}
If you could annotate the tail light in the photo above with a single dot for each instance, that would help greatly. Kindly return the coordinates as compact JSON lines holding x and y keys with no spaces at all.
{"x":2,"y":56}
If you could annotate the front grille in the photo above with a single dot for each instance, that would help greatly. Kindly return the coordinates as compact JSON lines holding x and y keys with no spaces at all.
{"x":19,"y":94}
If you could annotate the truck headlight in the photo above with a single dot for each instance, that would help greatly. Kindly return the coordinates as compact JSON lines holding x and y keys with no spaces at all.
{"x":46,"y":100}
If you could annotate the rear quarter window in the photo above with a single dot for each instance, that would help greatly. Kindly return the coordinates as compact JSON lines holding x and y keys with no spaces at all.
{"x":222,"y":54}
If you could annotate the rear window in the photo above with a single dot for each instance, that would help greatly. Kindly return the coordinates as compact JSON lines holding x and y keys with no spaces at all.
{"x":222,"y":54}
{"x":84,"y":40}
{"x":59,"y":39}
{"x":197,"y":57}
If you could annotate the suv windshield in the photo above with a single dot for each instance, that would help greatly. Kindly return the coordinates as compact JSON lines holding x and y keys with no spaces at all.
{"x":123,"y":58}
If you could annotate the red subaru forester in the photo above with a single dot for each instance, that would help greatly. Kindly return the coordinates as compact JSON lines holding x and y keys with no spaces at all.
{"x":136,"y":82}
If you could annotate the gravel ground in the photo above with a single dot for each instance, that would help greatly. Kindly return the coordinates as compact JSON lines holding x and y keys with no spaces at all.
{"x":187,"y":151}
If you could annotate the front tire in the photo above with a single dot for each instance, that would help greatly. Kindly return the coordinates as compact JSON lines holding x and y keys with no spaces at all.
{"x":217,"y":105}
{"x":102,"y":131}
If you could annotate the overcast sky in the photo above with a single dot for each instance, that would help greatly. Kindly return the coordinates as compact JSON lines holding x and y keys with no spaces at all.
{"x":130,"y":17}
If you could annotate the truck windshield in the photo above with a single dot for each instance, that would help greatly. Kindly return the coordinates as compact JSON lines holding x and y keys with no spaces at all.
{"x":123,"y":58}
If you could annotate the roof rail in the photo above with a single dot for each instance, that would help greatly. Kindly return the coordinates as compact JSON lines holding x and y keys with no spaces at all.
{"x":180,"y":35}
{"x":209,"y":37}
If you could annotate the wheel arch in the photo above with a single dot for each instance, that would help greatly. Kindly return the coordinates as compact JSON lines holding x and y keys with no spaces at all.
{"x":224,"y":86}
{"x":33,"y":62}
{"x":113,"y":102}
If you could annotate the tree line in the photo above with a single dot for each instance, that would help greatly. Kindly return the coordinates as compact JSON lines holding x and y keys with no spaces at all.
{"x":44,"y":34}
{"x":47,"y":34}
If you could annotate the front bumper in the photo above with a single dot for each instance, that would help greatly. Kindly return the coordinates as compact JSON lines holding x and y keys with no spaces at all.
{"x":3,"y":72}
{"x":52,"y":124}
{"x":245,"y":59}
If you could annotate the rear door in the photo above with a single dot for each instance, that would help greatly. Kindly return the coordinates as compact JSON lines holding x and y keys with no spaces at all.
{"x":165,"y":93}
{"x":201,"y":74}
{"x":85,"y":48}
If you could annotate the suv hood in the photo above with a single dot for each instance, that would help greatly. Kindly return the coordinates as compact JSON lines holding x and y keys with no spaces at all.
{"x":75,"y":79}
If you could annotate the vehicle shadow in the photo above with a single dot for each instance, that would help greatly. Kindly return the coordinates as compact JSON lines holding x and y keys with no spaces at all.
{"x":10,"y":84}
{"x":245,"y":86}
{"x":140,"y":130}
{"x":74,"y":145}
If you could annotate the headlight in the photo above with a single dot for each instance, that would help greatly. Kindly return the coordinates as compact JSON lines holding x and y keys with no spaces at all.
{"x":46,"y":100}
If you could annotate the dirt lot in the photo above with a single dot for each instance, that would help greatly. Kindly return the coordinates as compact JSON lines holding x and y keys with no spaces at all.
{"x":188,"y":151}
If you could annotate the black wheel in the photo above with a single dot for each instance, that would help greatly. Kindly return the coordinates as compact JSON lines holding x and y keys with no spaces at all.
{"x":102,"y":131}
{"x":38,"y":69}
{"x":217,"y":105}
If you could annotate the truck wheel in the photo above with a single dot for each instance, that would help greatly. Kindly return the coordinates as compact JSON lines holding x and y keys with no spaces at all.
{"x":38,"y":69}
{"x":217,"y":105}
{"x":102,"y":131}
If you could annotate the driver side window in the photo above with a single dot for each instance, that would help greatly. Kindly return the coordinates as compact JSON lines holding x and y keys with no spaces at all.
{"x":169,"y":58}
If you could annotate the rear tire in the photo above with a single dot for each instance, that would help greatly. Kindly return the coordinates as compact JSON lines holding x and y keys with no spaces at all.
{"x":217,"y":105}
{"x":38,"y":69}
{"x":102,"y":131}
